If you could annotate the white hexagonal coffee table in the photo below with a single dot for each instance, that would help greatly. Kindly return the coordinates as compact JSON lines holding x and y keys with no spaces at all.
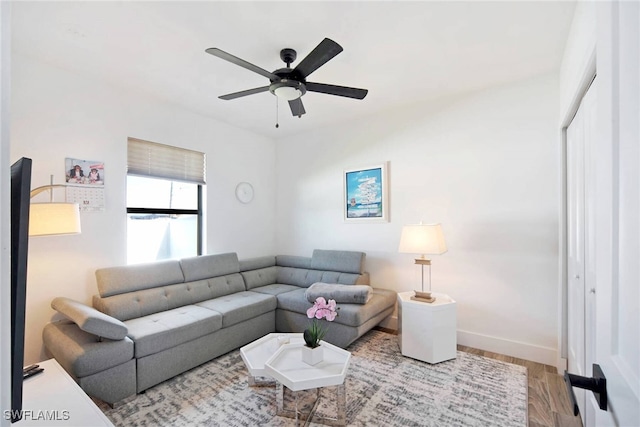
{"x":255,"y":354}
{"x":288,"y":369}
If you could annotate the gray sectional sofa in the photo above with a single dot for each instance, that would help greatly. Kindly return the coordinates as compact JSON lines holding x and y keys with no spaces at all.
{"x":151,"y":322}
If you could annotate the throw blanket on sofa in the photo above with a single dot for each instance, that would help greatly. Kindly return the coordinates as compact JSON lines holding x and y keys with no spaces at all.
{"x":354,"y":294}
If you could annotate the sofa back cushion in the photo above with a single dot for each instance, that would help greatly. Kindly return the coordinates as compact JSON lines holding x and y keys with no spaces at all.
{"x":133,"y":291}
{"x":304,"y":278}
{"x":140,"y":303}
{"x":130,"y":278}
{"x":293,"y":261}
{"x":149,"y":301}
{"x":328,"y":266}
{"x":342,"y":261}
{"x":138,"y":290}
{"x":259,"y":271}
{"x":257,"y":263}
{"x":205,"y":266}
{"x":217,"y":287}
{"x":260,"y":277}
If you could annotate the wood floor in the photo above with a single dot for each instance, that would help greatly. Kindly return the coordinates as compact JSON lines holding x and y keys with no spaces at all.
{"x":548,"y":399}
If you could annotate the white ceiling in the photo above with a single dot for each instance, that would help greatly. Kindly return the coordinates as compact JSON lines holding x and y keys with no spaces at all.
{"x":403,"y":52}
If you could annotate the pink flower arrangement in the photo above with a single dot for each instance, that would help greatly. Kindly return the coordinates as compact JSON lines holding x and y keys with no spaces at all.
{"x":321,"y":310}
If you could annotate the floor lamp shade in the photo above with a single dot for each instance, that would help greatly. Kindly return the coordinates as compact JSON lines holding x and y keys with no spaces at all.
{"x":48,"y":219}
{"x":423,"y":239}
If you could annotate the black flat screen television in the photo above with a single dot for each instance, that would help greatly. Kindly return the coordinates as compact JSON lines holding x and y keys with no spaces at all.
{"x":20,"y":195}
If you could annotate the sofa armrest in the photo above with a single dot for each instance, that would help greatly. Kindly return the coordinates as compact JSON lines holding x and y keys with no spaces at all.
{"x":82,"y":354}
{"x":89,"y":319}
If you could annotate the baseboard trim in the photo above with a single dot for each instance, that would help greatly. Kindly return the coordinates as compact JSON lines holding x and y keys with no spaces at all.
{"x":390,"y":322}
{"x":545,"y":355}
{"x":534,"y":353}
{"x":562,"y":365}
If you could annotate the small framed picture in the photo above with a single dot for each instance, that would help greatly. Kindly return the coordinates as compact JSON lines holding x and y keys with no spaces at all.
{"x":365,"y":194}
{"x":84,"y":172}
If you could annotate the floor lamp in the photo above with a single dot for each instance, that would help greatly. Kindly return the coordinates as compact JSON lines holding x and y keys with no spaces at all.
{"x":52,"y":218}
{"x":44,"y":219}
{"x":423,"y":239}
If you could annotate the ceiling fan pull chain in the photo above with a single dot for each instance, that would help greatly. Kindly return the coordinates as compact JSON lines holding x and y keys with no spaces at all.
{"x":277,"y":125}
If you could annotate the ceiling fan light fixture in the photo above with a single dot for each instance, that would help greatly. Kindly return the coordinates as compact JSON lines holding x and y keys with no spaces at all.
{"x":287,"y":93}
{"x":287,"y":89}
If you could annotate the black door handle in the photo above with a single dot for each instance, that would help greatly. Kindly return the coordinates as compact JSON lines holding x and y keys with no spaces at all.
{"x":597,"y":384}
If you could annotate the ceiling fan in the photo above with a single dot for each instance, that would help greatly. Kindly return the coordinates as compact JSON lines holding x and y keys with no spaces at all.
{"x":291,"y":83}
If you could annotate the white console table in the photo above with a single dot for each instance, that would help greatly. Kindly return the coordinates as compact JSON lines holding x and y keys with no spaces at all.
{"x":427,"y":331}
{"x":53,"y":398}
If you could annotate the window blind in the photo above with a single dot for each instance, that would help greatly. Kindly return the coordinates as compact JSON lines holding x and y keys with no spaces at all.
{"x":155,"y":160}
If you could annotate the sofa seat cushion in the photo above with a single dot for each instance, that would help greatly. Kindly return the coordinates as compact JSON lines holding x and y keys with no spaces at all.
{"x":167,"y":329}
{"x":81,"y":353}
{"x":348,"y":314}
{"x":275,"y":289}
{"x":294,"y":301}
{"x":241,"y":306}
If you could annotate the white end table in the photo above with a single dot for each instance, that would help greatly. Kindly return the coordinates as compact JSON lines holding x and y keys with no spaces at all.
{"x":427,"y":331}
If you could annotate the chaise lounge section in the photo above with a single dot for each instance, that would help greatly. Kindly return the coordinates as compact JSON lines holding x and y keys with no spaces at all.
{"x":151,"y":322}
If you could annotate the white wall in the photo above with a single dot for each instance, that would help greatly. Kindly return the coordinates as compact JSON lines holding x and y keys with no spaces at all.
{"x":486,"y":167}
{"x":56,"y":114}
{"x":5,"y":212}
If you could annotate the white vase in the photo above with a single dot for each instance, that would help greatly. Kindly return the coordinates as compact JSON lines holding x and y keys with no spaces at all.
{"x":312,"y":356}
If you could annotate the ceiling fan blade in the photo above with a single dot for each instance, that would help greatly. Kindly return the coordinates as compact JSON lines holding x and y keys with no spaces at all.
{"x":244,"y":93}
{"x":349,"y":92}
{"x":319,"y":56}
{"x":297,"y":109}
{"x":241,"y":62}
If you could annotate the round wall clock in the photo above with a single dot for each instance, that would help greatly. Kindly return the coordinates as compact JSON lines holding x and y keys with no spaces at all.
{"x":244,"y":192}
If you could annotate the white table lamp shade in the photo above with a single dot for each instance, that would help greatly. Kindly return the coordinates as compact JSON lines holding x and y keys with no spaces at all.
{"x":46,"y":219}
{"x":424,"y":239}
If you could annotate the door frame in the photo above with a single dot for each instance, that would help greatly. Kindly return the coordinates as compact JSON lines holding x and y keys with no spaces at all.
{"x":587,"y":75}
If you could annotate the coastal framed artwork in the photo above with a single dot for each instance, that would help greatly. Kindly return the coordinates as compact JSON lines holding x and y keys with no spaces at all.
{"x":365,"y":194}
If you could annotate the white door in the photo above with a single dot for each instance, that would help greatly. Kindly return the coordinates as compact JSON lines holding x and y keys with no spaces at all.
{"x":603,"y":234}
{"x":617,"y":216}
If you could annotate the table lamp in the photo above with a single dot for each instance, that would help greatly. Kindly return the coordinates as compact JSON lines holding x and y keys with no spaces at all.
{"x":423,"y":239}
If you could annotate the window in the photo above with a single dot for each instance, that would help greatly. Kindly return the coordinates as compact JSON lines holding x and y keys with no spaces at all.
{"x":164,"y":202}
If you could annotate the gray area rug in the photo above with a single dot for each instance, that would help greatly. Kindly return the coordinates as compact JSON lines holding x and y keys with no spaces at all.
{"x":383,"y":389}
